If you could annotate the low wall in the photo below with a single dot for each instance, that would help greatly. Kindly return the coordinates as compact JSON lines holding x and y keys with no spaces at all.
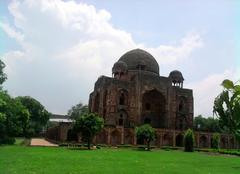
{"x":164,"y":137}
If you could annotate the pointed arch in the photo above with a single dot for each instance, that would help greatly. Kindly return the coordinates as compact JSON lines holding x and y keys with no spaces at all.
{"x":115,"y":137}
{"x":153,"y":108}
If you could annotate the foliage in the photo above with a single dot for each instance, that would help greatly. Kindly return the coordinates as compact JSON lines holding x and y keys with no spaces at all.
{"x":215,"y":141}
{"x":72,"y":135}
{"x":206,"y":124}
{"x":3,"y":76}
{"x":77,"y":111}
{"x":39,"y":116}
{"x":147,"y":133}
{"x":188,"y":141}
{"x":227,"y":107}
{"x":14,"y":118}
{"x":89,"y":124}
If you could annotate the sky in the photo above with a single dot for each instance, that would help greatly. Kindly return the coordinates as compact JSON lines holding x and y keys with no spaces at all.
{"x":55,"y":50}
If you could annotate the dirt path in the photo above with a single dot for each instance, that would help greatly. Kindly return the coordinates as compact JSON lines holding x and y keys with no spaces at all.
{"x":41,"y":142}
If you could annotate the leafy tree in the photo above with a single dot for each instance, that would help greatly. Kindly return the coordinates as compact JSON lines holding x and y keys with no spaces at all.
{"x":210,"y":124}
{"x":227,"y":107}
{"x":77,"y":111}
{"x":3,"y":76}
{"x":216,"y":141}
{"x":14,"y":117}
{"x":88,"y":124}
{"x":188,"y":141}
{"x":147,"y":133}
{"x":39,"y":116}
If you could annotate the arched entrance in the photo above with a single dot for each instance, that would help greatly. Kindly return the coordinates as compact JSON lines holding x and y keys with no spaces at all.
{"x":224,"y":142}
{"x":167,"y":140}
{"x":128,"y":137}
{"x":203,"y":142}
{"x":115,"y":138}
{"x":101,"y":138}
{"x":122,"y":119}
{"x":179,"y":140}
{"x":153,"y":108}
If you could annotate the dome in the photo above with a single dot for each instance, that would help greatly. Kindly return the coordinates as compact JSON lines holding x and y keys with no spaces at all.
{"x":176,"y":76}
{"x":119,"y":66}
{"x":139,"y":59}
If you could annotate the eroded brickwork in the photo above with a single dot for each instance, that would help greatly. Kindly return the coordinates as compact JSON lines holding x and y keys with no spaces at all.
{"x":137,"y":94}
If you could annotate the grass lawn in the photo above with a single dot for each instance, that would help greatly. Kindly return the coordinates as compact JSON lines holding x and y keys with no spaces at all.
{"x":44,"y":160}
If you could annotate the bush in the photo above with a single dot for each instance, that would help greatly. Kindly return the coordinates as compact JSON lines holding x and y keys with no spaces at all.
{"x":7,"y":140}
{"x":124,"y":145}
{"x":188,"y":141}
{"x":215,"y":141}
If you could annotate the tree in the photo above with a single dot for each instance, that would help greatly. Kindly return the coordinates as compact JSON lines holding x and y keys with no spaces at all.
{"x":77,"y":111}
{"x":145,"y":132}
{"x":39,"y":116}
{"x":3,"y":76}
{"x":88,"y":124}
{"x":210,"y":124}
{"x":14,"y":118}
{"x":188,"y":141}
{"x":227,"y":107}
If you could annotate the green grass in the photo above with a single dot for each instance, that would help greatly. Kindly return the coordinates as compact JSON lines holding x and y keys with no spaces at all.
{"x":40,"y":160}
{"x":19,"y":141}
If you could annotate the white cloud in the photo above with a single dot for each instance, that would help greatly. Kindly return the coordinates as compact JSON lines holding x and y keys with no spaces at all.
{"x":11,"y":32}
{"x":207,"y":89}
{"x":66,"y":45}
{"x":172,"y":54}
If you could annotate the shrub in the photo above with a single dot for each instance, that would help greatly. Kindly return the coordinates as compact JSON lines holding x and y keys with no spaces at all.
{"x":215,"y":141}
{"x":7,"y":140}
{"x":188,"y":141}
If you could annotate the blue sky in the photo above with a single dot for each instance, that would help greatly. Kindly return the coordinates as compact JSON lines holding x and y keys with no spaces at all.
{"x":55,"y":50}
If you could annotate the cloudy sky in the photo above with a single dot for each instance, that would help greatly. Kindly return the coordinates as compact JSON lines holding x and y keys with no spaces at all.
{"x":55,"y":50}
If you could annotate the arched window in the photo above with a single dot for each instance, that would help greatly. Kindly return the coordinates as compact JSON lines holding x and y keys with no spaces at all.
{"x":180,"y":107}
{"x":147,"y":121}
{"x":148,"y":106}
{"x":182,"y":104}
{"x":121,"y":74}
{"x":180,"y":124}
{"x":122,"y":99}
{"x":120,"y":121}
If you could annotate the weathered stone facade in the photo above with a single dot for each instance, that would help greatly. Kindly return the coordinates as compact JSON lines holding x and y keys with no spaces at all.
{"x":137,"y":94}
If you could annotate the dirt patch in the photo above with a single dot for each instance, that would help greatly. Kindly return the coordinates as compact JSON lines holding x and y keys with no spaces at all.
{"x":41,"y":142}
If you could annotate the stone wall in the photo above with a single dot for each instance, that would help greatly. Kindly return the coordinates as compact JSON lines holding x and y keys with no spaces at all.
{"x":164,"y":137}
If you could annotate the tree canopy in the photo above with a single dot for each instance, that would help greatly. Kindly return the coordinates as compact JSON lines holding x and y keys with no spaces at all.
{"x":209,"y":124}
{"x":77,"y":110}
{"x":88,"y":124}
{"x":147,"y":133}
{"x":14,"y":117}
{"x":227,"y":107}
{"x":39,"y":116}
{"x":3,"y":76}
